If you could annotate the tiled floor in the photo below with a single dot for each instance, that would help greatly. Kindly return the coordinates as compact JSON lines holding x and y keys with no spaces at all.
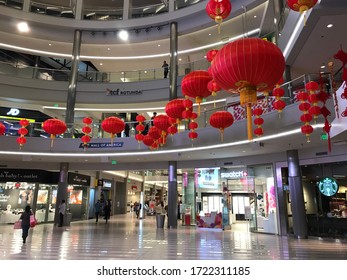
{"x":125,"y":237}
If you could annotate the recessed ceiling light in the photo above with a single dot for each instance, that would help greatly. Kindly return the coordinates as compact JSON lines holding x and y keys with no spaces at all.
{"x":123,"y":35}
{"x":322,"y":67}
{"x":158,"y":45}
{"x":23,"y":27}
{"x":180,"y":59}
{"x":255,"y":16}
{"x":329,"y":25}
{"x":108,"y":49}
{"x":101,"y":63}
{"x":50,"y":44}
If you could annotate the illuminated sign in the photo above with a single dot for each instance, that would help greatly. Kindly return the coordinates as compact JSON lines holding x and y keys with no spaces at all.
{"x":233,"y":174}
{"x":328,"y":186}
{"x":110,"y":92}
{"x":13,"y":112}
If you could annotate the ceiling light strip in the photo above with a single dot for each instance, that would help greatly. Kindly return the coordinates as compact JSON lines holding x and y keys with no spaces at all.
{"x":54,"y":54}
{"x":159,"y":152}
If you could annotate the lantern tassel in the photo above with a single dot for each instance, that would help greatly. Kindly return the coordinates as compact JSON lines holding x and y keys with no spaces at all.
{"x":52,"y":139}
{"x":249,"y":121}
{"x":222,"y":135}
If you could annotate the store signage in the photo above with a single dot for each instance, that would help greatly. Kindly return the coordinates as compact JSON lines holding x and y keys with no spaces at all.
{"x":233,"y":174}
{"x":110,"y":92}
{"x":78,"y":179}
{"x":328,"y":186}
{"x":102,"y":145}
{"x":28,"y":175}
{"x":4,"y":198}
{"x":13,"y":112}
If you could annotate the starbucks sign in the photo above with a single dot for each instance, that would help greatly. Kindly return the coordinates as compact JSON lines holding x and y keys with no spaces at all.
{"x":328,"y":186}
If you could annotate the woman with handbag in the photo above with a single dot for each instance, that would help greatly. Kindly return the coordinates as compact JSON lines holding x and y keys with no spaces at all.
{"x":25,"y":218}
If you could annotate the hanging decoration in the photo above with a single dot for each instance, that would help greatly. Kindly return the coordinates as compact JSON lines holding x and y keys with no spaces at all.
{"x":172,"y":129}
{"x":218,"y":10}
{"x":194,"y":85}
{"x":187,"y":113}
{"x":162,"y":123}
{"x":54,"y":127}
{"x":140,"y":127}
{"x":301,"y":5}
{"x":174,"y":109}
{"x":113,"y":125}
{"x":213,"y":87}
{"x":148,"y":141}
{"x":21,"y":140}
{"x":258,"y":121}
{"x":306,"y":118}
{"x":312,"y":88}
{"x":211,"y":54}
{"x":86,"y":130}
{"x":221,"y":120}
{"x":193,"y":125}
{"x":246,"y":66}
{"x":2,"y":128}
{"x":342,"y":56}
{"x":279,"y":104}
{"x":155,"y":133}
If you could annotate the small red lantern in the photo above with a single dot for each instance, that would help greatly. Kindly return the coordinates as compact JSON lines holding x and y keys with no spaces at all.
{"x":148,"y":140}
{"x":139,"y":137}
{"x":54,"y":127}
{"x":86,"y":130}
{"x":162,"y":123}
{"x":194,"y":85}
{"x":22,"y":132}
{"x":211,"y":54}
{"x":192,"y":135}
{"x":218,"y":10}
{"x":87,"y":121}
{"x":85,"y":139}
{"x":221,"y":120}
{"x":2,"y":128}
{"x":307,"y":130}
{"x":21,"y":140}
{"x":140,"y":128}
{"x":113,"y":125}
{"x":258,"y":121}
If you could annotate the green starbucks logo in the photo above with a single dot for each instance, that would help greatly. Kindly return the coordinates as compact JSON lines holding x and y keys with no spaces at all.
{"x":328,"y":186}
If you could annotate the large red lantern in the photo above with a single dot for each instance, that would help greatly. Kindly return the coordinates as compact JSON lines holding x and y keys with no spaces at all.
{"x":194,"y":85}
{"x":54,"y":127}
{"x":301,"y":5}
{"x":148,"y":140}
{"x":221,"y":120}
{"x":113,"y":125}
{"x":246,"y":66}
{"x":218,"y":10}
{"x":162,"y":123}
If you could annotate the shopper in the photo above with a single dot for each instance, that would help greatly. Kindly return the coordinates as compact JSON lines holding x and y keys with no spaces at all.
{"x":107,"y":210}
{"x":97,"y":210}
{"x":25,"y":218}
{"x":62,"y":210}
{"x":165,"y":66}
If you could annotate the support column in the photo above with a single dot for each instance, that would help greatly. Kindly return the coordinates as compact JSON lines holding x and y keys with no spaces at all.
{"x":26,"y":6}
{"x":171,"y":6}
{"x":173,"y":60}
{"x":71,"y":94}
{"x":62,"y":189}
{"x":172,"y":195}
{"x":142,"y":214}
{"x":296,"y":195}
{"x":127,"y":7}
{"x":78,"y":9}
{"x":36,"y":69}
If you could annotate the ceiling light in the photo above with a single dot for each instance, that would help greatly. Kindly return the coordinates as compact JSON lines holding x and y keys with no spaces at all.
{"x":50,"y":44}
{"x":123,"y":35}
{"x":329,"y":25}
{"x":158,"y":45}
{"x":255,"y":16}
{"x":23,"y":27}
{"x":322,"y":67}
{"x":100,"y":64}
{"x":108,"y":49}
{"x":180,"y":59}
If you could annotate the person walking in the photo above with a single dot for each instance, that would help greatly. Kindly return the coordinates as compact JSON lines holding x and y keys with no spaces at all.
{"x":165,"y":66}
{"x":25,"y":217}
{"x":107,"y":210}
{"x":62,"y":210}
{"x":97,"y":210}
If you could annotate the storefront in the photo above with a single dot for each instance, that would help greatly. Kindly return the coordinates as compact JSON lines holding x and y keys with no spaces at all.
{"x":325,"y":195}
{"x":21,"y":187}
{"x":77,"y":197}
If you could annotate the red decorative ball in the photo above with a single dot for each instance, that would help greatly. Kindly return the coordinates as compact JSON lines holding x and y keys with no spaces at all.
{"x":278,"y":92}
{"x":23,"y":131}
{"x":258,"y":121}
{"x":88,"y":121}
{"x":2,"y":129}
{"x":306,"y":118}
{"x":140,"y":118}
{"x":304,"y":106}
{"x":259,"y":131}
{"x":21,"y":140}
{"x":139,"y":137}
{"x":307,"y":129}
{"x":85,"y":139}
{"x":193,"y":135}
{"x":279,"y":105}
{"x":140,"y":127}
{"x":211,"y":54}
{"x":193,"y":125}
{"x":86,"y":129}
{"x":257,"y":111}
{"x":24,"y":122}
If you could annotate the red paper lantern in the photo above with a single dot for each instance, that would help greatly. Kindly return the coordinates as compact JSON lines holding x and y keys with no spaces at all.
{"x":85,"y":139}
{"x":113,"y":125}
{"x":161,"y":122}
{"x":246,"y":66}
{"x":314,"y":111}
{"x":258,"y":121}
{"x":193,"y":125}
{"x":87,"y":121}
{"x":306,"y":118}
{"x":312,"y":87}
{"x":148,"y":140}
{"x":194,"y":85}
{"x":54,"y":127}
{"x":154,"y":132}
{"x":221,"y":120}
{"x":304,"y":106}
{"x":193,"y":135}
{"x":2,"y":128}
{"x":172,"y":130}
{"x":140,"y":127}
{"x":86,"y":130}
{"x":211,"y":54}
{"x":218,"y":10}
{"x":259,"y":131}
{"x":279,"y":105}
{"x":23,"y":131}
{"x":24,"y":122}
{"x":21,"y":140}
{"x":139,"y":137}
{"x":301,"y":5}
{"x":174,"y":109}
{"x":307,"y":130}
{"x":140,"y":118}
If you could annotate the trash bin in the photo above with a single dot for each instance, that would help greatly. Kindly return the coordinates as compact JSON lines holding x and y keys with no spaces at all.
{"x":67,"y":219}
{"x":160,"y":220}
{"x":187,"y":220}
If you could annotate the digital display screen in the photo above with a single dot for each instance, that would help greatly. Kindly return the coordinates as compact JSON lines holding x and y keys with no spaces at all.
{"x":207,"y":178}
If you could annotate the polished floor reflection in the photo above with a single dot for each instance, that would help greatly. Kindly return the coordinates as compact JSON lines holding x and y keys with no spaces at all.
{"x":126,"y":237}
